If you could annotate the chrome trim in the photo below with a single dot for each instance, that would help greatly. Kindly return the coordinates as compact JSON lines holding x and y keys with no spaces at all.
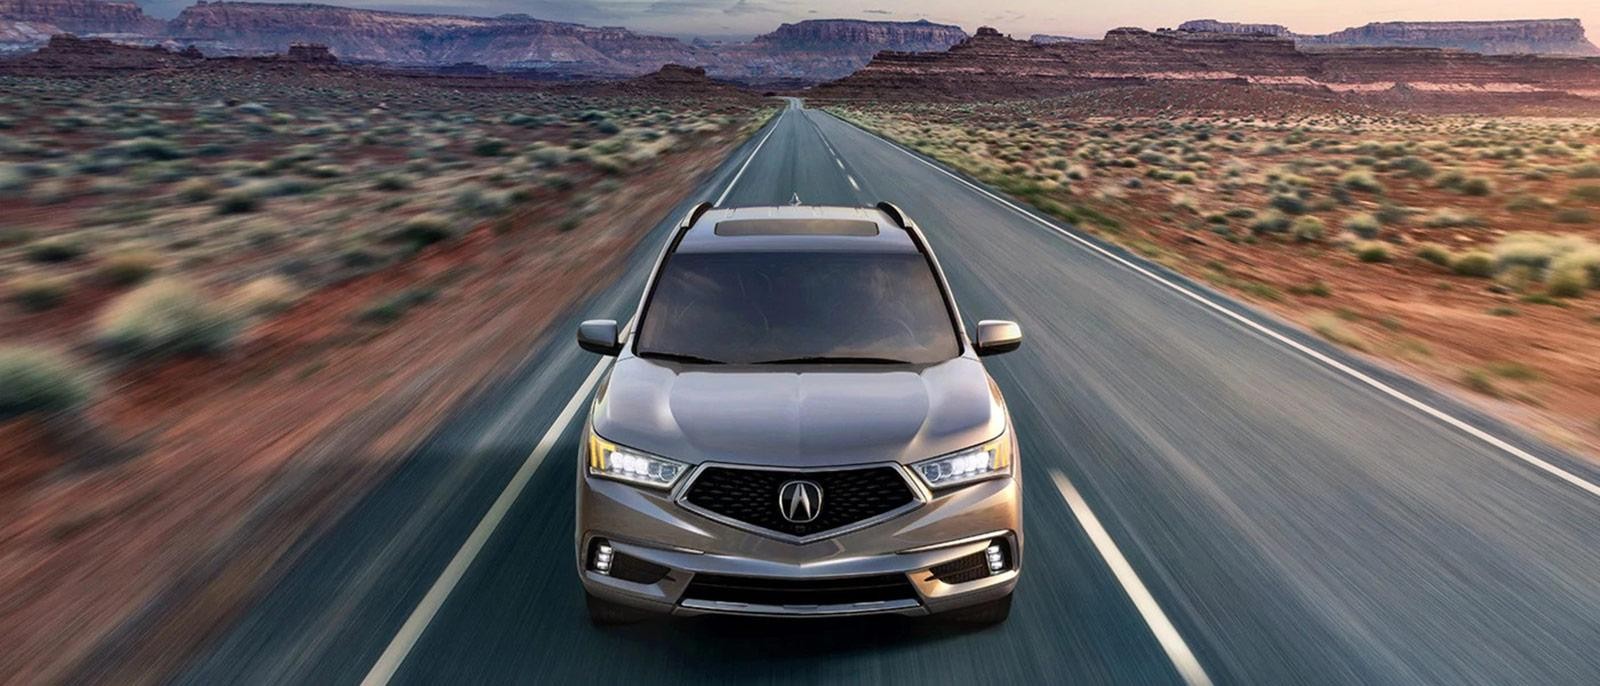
{"x":801,"y":610}
{"x":956,"y":543}
{"x":919,"y":497}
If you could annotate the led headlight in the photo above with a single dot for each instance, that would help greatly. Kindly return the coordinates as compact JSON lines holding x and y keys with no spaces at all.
{"x":612,"y":461}
{"x":973,"y":464}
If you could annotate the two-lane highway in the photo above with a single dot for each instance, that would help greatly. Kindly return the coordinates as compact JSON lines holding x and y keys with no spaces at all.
{"x":1213,"y":497}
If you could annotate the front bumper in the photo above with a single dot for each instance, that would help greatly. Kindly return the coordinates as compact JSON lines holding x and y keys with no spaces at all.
{"x":650,"y":526}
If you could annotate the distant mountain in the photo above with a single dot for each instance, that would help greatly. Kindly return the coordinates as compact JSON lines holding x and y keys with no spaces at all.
{"x":1514,"y":37}
{"x":1046,"y":39}
{"x":77,"y":16}
{"x":993,"y":66}
{"x":801,"y":52}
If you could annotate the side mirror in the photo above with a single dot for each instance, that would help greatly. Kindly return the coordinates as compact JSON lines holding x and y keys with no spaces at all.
{"x":996,"y":336}
{"x":599,"y":336}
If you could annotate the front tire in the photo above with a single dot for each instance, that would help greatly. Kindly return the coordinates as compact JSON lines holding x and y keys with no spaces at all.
{"x":983,"y":614}
{"x":603,"y":612}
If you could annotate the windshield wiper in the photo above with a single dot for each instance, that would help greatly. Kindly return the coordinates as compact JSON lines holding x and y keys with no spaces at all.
{"x":831,"y":359}
{"x":678,"y":357}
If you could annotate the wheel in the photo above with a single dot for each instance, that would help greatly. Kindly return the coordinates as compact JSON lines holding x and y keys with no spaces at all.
{"x":991,"y":612}
{"x":603,"y":612}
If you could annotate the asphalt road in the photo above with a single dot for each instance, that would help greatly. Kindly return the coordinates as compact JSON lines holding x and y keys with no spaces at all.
{"x":1213,"y":496}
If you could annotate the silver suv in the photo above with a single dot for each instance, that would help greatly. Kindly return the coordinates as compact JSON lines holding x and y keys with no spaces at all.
{"x":797,"y":424}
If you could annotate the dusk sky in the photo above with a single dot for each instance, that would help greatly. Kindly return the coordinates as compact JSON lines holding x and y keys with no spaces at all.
{"x":1021,"y":17}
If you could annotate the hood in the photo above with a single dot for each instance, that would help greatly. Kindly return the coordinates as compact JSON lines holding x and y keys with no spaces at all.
{"x":798,"y":417}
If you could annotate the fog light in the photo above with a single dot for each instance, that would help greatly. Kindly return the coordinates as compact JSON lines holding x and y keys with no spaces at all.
{"x":602,"y":557}
{"x":995,"y":555}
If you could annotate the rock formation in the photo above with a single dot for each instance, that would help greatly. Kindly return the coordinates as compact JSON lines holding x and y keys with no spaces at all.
{"x":799,"y":53}
{"x":990,"y":65}
{"x":1231,"y":27}
{"x":1516,"y":37}
{"x":87,"y":17}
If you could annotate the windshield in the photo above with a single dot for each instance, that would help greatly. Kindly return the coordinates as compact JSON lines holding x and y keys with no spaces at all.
{"x":796,"y":307}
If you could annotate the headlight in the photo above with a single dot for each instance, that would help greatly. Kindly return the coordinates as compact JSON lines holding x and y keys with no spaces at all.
{"x":973,"y":464}
{"x":609,"y":460}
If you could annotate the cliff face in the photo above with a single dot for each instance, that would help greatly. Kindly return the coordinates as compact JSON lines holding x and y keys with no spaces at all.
{"x":807,"y":51}
{"x":1533,"y":37}
{"x":507,"y":41}
{"x":835,"y":34}
{"x":1232,"y":27}
{"x":824,"y":49}
{"x":1518,"y":37}
{"x":991,"y":65}
{"x":80,"y":16}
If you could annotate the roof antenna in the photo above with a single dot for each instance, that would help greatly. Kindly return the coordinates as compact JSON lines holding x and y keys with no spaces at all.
{"x":796,"y":200}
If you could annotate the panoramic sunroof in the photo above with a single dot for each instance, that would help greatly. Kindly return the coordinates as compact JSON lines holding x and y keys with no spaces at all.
{"x":796,"y":227}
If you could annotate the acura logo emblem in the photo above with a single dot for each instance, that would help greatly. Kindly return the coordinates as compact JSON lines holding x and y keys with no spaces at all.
{"x":800,"y":501}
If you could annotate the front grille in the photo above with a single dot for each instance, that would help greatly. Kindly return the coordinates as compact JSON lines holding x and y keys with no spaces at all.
{"x":751,"y":496}
{"x":962,"y":569}
{"x":779,"y":592}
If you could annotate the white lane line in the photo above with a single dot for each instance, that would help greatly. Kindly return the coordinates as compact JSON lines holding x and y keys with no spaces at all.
{"x":422,"y":615}
{"x":1386,"y":389}
{"x":853,"y":183}
{"x":838,"y":162}
{"x":1166,"y":634}
{"x":749,"y":159}
{"x":400,"y":647}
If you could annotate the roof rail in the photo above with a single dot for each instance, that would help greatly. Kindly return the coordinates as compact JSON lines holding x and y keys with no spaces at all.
{"x":894,"y":213}
{"x":694,"y":215}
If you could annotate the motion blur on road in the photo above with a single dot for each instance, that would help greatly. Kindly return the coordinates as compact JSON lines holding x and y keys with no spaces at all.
{"x":1218,"y":499}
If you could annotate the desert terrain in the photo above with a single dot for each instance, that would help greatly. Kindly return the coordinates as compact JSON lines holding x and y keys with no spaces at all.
{"x":234,"y":290}
{"x":1461,"y":248}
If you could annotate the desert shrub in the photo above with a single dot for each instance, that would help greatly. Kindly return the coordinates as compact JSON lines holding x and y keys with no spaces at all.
{"x":1271,"y":221}
{"x":239,"y":201}
{"x":391,"y":308}
{"x":37,"y":292}
{"x":1308,"y":229}
{"x":1331,"y":327}
{"x":196,"y":190}
{"x":1392,"y":213}
{"x":1566,"y":283}
{"x":11,"y":236}
{"x":1583,"y":260}
{"x":1289,"y":204}
{"x":1589,"y":193}
{"x":165,"y":317}
{"x":1535,"y":250}
{"x":1476,"y":186}
{"x":1477,"y":264}
{"x":1446,"y":217}
{"x":13,"y":179}
{"x":38,"y":381}
{"x":264,"y":295}
{"x":150,"y":149}
{"x":425,"y":230}
{"x":477,"y":201}
{"x":489,"y":147}
{"x":1434,"y":253}
{"x":55,"y":250}
{"x":1574,"y":215}
{"x":1362,"y":181}
{"x":1529,"y":203}
{"x":1589,"y":170}
{"x":127,"y":268}
{"x":1363,"y":225}
{"x":392,"y":182}
{"x":1415,"y":167}
{"x":1372,"y":251}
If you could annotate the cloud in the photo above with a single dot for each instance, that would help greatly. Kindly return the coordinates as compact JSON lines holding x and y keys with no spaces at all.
{"x":876,"y":12}
{"x":747,"y":7}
